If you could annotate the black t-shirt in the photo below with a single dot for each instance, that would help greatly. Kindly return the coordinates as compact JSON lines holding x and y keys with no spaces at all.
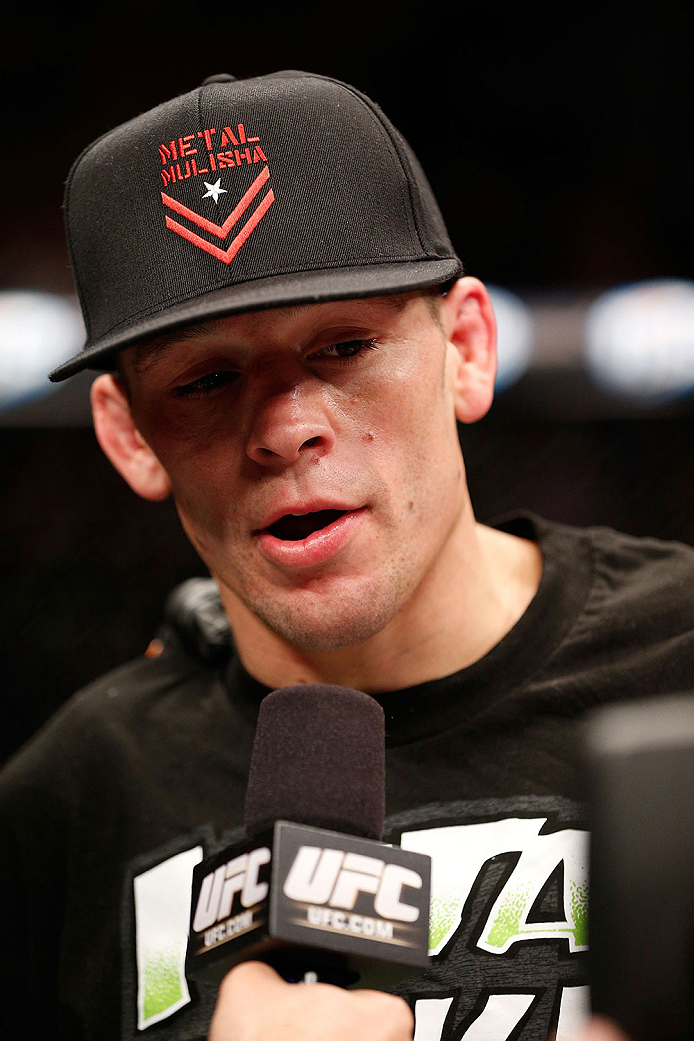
{"x":105,"y":813}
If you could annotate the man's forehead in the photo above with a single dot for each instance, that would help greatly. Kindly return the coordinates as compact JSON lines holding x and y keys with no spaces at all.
{"x":144,"y":355}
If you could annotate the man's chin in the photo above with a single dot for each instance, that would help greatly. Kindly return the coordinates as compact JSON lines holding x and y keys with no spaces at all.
{"x":325,"y":634}
{"x":331,"y":617}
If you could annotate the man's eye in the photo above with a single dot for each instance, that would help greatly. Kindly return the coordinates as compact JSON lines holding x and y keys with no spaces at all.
{"x":205,"y":384}
{"x":347,"y":350}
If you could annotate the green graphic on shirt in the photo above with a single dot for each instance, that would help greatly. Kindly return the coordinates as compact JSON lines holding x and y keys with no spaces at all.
{"x":162,"y":979}
{"x":162,"y":902}
{"x":509,"y":919}
{"x":508,"y":922}
{"x":579,"y":912}
{"x":442,"y":918}
{"x":548,"y":872}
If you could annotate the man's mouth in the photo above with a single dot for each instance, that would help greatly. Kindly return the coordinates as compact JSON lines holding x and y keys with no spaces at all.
{"x":296,"y":541}
{"x":293,"y":528}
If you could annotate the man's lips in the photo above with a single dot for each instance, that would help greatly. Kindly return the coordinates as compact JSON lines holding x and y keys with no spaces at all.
{"x":292,"y":527}
{"x":309,"y":538}
{"x":301,"y":509}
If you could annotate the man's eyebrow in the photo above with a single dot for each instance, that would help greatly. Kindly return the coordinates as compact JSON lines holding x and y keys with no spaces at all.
{"x":395,"y":300}
{"x":148,"y":353}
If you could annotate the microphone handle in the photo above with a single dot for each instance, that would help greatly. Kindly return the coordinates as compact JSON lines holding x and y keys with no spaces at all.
{"x":297,"y":965}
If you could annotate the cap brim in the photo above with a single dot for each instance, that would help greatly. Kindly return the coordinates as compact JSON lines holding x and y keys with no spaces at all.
{"x":303,"y":287}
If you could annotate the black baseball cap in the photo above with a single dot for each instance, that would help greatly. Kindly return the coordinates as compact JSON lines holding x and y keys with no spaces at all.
{"x":289,"y":188}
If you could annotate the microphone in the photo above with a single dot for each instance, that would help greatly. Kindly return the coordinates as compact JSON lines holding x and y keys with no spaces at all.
{"x":313,"y":891}
{"x":639,"y":760}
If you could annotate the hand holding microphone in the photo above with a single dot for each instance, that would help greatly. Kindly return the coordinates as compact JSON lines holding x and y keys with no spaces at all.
{"x":255,"y":1004}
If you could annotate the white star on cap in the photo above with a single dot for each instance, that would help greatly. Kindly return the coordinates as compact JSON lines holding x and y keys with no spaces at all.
{"x":214,"y":190}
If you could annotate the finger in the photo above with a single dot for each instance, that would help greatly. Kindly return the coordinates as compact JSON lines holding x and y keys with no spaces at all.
{"x":396,"y":1009}
{"x":600,"y":1029}
{"x":248,"y":977}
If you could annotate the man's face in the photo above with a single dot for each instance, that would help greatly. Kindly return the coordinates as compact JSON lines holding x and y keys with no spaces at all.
{"x":341,"y":413}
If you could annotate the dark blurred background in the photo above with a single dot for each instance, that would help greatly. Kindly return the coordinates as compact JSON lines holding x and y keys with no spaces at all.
{"x":560,"y":148}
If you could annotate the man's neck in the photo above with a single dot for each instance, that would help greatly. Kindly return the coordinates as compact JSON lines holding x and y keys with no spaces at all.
{"x":454,"y":618}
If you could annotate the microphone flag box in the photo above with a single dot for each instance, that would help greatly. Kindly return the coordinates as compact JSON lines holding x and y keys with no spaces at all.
{"x":304,"y":899}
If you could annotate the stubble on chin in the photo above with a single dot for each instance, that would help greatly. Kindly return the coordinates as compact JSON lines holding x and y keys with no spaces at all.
{"x":324,"y":620}
{"x":324,"y":636}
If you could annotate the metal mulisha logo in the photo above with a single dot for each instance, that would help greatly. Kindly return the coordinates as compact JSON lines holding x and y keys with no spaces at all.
{"x":204,"y":153}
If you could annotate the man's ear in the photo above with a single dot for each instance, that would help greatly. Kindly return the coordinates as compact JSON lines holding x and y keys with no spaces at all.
{"x":470,"y":326}
{"x":122,"y":441}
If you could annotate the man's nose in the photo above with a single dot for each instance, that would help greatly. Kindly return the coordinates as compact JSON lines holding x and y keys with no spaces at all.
{"x":290,"y":422}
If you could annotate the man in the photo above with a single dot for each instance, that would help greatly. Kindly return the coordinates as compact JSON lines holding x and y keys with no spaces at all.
{"x":289,"y":344}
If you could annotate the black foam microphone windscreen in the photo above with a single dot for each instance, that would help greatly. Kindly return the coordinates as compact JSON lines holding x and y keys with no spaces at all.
{"x":318,"y":759}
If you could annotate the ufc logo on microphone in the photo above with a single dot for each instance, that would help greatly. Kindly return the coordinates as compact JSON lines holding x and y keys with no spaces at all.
{"x":331,"y":876}
{"x":219,"y":888}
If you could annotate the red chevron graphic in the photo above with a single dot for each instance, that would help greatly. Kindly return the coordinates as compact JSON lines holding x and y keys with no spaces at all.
{"x":226,"y":255}
{"x":222,"y":231}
